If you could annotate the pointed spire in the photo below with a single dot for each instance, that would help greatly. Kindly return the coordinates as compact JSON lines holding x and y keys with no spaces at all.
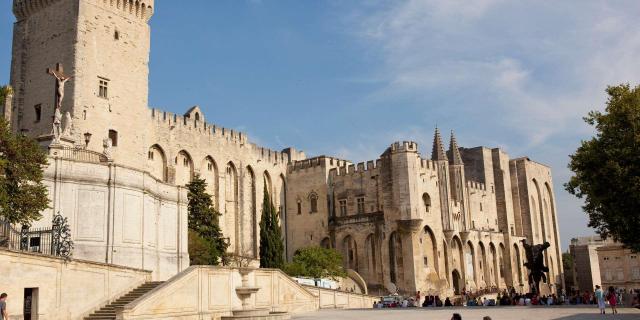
{"x":454,"y":151}
{"x":438,"y":154}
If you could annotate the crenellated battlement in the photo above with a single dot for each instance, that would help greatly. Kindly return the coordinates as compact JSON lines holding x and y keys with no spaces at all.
{"x":473,"y":185}
{"x":142,"y":10}
{"x":427,"y":164}
{"x":315,"y":163}
{"x":404,"y":146}
{"x":172,"y":121}
{"x":359,"y":168}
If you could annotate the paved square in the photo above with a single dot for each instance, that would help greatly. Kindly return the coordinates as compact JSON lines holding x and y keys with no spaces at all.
{"x":474,"y":313}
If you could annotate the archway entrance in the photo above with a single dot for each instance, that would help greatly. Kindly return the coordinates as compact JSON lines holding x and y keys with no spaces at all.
{"x":455,"y":278}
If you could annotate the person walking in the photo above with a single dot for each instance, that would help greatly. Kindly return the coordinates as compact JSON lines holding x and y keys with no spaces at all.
{"x":600,"y":298}
{"x":4,"y":314}
{"x":613,"y":300}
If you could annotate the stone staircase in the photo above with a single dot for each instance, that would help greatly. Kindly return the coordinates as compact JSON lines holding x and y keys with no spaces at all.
{"x":108,"y":312}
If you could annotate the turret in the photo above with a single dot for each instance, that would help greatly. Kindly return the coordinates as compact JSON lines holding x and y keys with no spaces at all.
{"x":438,"y":154}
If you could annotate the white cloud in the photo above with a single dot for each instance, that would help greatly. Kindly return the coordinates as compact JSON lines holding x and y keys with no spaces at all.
{"x":529,"y":71}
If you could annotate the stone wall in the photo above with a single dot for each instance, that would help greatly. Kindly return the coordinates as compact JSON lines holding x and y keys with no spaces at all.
{"x":119,"y":215}
{"x":209,"y":292}
{"x":65,"y":290}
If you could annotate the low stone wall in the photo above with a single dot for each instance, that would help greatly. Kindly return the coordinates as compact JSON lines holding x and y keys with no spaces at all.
{"x":206,"y":292}
{"x":65,"y":290}
{"x":333,"y":299}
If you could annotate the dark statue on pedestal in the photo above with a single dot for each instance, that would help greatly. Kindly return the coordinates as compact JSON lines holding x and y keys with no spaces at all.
{"x":535,"y":264}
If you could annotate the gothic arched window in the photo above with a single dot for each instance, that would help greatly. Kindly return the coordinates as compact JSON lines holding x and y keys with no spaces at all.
{"x":313,"y":202}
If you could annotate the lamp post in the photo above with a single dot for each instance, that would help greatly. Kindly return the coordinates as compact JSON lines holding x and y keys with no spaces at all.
{"x":87,"y":138}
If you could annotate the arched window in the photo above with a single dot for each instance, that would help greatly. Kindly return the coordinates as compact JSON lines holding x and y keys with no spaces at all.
{"x":313,"y":202}
{"x":157,"y":162}
{"x":325,"y":243}
{"x":426,"y":199}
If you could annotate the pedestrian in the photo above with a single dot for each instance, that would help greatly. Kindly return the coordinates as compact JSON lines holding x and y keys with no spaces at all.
{"x":456,"y":316}
{"x":4,"y":314}
{"x":600,"y":297}
{"x":486,"y":318}
{"x":418,"y":296}
{"x":613,"y":300}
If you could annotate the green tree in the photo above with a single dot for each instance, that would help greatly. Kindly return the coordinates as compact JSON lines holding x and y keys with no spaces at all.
{"x":271,"y":243}
{"x":22,"y":194}
{"x":4,"y":91}
{"x":316,"y":262}
{"x":607,"y":168}
{"x":206,"y":243}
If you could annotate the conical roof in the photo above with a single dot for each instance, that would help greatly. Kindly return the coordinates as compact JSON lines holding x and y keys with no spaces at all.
{"x":454,"y":152}
{"x":438,"y":153}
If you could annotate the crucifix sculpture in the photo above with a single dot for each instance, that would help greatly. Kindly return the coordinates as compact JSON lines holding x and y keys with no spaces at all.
{"x":61,"y":79}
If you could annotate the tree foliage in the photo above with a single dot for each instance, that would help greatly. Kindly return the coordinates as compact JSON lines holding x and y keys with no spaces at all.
{"x":22,"y":194}
{"x":271,"y":243}
{"x":206,"y":242}
{"x":316,"y":262}
{"x":607,"y":168}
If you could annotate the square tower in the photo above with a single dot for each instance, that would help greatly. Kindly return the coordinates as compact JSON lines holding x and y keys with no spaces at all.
{"x":103,"y":45}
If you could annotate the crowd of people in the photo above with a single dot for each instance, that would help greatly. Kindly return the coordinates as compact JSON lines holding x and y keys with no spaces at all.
{"x":611,"y":297}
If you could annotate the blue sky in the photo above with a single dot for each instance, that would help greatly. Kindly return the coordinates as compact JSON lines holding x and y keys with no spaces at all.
{"x":348,"y":78}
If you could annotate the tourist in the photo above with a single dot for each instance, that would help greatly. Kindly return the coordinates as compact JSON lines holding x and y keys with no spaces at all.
{"x":600,"y":297}
{"x":486,"y":318}
{"x":4,"y":314}
{"x":456,"y":316}
{"x":447,"y":302}
{"x":613,"y":300}
{"x":418,"y":296}
{"x":405,"y":303}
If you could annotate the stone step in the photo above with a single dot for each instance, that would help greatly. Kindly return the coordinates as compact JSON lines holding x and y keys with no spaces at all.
{"x":108,"y":312}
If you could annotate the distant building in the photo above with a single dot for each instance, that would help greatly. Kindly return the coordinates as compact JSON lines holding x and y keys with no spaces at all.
{"x":619,"y":267}
{"x":586,"y":269}
{"x":603,"y":262}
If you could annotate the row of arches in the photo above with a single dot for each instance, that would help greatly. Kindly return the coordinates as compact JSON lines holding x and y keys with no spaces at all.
{"x":240,"y":202}
{"x":460,"y":263}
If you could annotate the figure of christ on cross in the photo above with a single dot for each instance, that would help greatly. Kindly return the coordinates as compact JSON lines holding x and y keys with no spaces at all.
{"x":61,"y":79}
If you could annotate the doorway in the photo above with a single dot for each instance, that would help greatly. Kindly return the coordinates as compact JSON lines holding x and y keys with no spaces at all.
{"x":455,"y":277}
{"x":30,"y":310}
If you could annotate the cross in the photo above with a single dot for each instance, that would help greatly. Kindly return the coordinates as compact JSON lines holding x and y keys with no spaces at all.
{"x":61,"y":79}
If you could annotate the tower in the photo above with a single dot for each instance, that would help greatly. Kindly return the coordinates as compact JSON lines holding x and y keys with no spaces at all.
{"x":457,"y":179}
{"x":439,"y":157}
{"x":103,"y":45}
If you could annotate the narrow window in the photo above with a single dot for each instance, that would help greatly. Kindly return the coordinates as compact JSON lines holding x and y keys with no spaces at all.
{"x":84,"y":115}
{"x":299,"y":207}
{"x":313,"y":199}
{"x":116,"y":35}
{"x":103,"y":88}
{"x":480,"y":206}
{"x":38,"y":109}
{"x":210,"y":166}
{"x":150,"y":155}
{"x":343,"y":207}
{"x":360,"y":202}
{"x":113,"y":135}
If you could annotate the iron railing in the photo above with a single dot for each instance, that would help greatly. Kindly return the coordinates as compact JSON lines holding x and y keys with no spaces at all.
{"x":54,"y":241}
{"x":79,"y":154}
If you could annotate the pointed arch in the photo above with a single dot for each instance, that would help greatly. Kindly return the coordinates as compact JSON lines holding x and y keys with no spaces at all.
{"x":184,"y":168}
{"x":446,"y":260}
{"x":429,"y":250}
{"x":426,"y":201}
{"x":350,"y":250}
{"x":396,"y":263}
{"x":371,"y":251}
{"x":494,"y":264}
{"x":518,"y":263}
{"x":209,"y":172}
{"x":501,"y":267}
{"x":325,"y":243}
{"x":470,"y":262}
{"x":282,"y":206}
{"x":267,"y":182}
{"x":249,"y":191}
{"x":157,"y":162}
{"x":231,"y":207}
{"x":483,"y":266}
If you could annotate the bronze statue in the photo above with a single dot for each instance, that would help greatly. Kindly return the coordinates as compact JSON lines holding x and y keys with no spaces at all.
{"x":535,"y":264}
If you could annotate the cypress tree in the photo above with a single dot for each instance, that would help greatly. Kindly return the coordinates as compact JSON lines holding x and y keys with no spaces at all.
{"x":271,"y":245}
{"x":206,"y":242}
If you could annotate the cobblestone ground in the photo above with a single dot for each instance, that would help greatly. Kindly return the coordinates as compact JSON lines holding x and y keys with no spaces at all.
{"x":474,"y":313}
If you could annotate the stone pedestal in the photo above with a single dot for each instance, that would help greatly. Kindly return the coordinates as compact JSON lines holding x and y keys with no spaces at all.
{"x":248,"y":311}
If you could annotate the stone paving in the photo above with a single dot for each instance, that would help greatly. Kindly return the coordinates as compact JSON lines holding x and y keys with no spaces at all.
{"x":474,"y":313}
